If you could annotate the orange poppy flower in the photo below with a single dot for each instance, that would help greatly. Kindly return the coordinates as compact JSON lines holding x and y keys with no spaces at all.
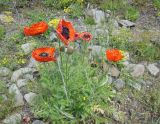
{"x":65,"y":31}
{"x":86,"y":36}
{"x":114,"y":55}
{"x":36,"y":29}
{"x":44,"y":54}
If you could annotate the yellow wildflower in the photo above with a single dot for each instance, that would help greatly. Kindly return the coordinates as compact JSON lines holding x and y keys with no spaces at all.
{"x":54,"y":23}
{"x":5,"y":61}
{"x":7,"y":19}
{"x":68,"y":10}
{"x":7,"y":12}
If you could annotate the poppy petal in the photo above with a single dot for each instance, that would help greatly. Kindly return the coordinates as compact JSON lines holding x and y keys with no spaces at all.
{"x":114,"y":55}
{"x":36,"y":29}
{"x":65,"y":31}
{"x":44,"y":54}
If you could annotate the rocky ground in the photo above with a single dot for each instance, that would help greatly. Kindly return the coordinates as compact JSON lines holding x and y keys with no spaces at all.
{"x":20,"y":80}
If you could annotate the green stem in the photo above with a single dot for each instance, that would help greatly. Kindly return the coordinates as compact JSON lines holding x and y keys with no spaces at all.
{"x":60,"y":53}
{"x":64,"y":83}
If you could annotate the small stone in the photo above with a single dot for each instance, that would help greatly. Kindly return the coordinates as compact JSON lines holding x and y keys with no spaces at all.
{"x":27,"y":47}
{"x":153,"y":69}
{"x":125,"y":63}
{"x":136,"y":86}
{"x":114,"y":72}
{"x":29,"y":77}
{"x":22,"y":82}
{"x":126,"y":23}
{"x":110,"y":80}
{"x":38,"y":122}
{"x":19,"y":73}
{"x":105,"y":67}
{"x":4,"y":72}
{"x":119,"y":84}
{"x":53,"y":37}
{"x":138,"y":70}
{"x":33,"y":63}
{"x":30,"y":97}
{"x":13,"y":89}
{"x":13,"y":119}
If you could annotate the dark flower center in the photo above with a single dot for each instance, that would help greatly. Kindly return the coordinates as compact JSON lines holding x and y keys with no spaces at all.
{"x":44,"y":54}
{"x":65,"y":32}
{"x":86,"y":36}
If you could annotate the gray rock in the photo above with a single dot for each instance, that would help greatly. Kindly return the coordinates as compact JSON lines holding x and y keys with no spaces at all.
{"x":38,"y":122}
{"x":30,"y":97}
{"x":53,"y":36}
{"x":146,"y":83}
{"x":153,"y":69}
{"x":27,"y":47}
{"x":115,"y":24}
{"x":119,"y":84}
{"x":29,"y":77}
{"x":136,"y":86}
{"x":22,"y":82}
{"x":126,"y":23}
{"x":125,"y":63}
{"x":33,"y":63}
{"x":130,"y":67}
{"x":4,"y":72}
{"x":138,"y":70}
{"x":110,"y":80}
{"x":114,"y":72}
{"x":98,"y":15}
{"x":19,"y":73}
{"x":13,"y":89}
{"x":13,"y":119}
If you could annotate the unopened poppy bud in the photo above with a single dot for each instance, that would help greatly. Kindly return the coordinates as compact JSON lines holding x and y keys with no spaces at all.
{"x":70,"y":50}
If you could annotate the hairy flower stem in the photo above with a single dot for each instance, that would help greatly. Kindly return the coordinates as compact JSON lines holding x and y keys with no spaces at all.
{"x":60,"y":53}
{"x":64,"y":83}
{"x":67,"y":69}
